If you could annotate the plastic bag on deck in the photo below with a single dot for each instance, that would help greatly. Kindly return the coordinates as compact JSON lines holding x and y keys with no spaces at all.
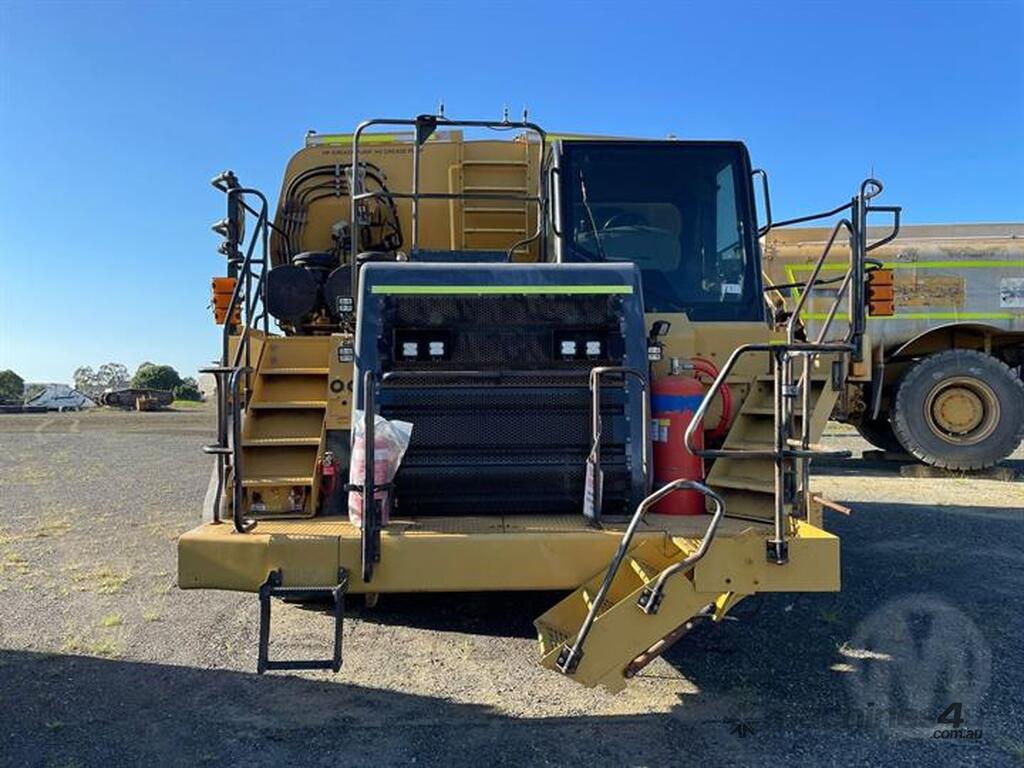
{"x":391,"y":439}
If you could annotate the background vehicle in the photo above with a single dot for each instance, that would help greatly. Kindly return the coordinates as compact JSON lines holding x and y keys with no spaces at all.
{"x":947,"y":329}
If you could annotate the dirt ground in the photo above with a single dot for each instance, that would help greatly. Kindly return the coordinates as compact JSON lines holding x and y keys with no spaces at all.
{"x":103,"y":661}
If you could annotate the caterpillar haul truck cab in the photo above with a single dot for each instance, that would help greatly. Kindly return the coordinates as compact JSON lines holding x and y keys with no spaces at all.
{"x":577,"y":330}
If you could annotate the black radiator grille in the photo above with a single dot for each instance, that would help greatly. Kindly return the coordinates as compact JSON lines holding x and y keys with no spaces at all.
{"x":501,"y":424}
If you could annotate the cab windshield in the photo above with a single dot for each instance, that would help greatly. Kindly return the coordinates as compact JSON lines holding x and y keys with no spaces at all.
{"x":680,"y":211}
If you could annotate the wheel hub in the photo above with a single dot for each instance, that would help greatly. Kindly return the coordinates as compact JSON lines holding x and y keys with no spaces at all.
{"x":962,"y":410}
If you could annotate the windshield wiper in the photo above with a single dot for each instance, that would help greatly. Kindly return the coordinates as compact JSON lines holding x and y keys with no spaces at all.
{"x":590,"y":216}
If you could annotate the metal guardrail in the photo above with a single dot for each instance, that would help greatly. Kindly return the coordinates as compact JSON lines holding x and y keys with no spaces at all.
{"x":249,"y":299}
{"x":424,"y":126}
{"x":795,"y":460}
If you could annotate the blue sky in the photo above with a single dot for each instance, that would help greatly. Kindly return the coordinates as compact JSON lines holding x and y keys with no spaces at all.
{"x":114,"y":116}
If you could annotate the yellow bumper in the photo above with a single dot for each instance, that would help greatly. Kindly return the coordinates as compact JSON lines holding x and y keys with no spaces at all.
{"x":490,"y":553}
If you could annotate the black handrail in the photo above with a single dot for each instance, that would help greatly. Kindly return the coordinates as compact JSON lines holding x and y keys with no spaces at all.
{"x":248,"y":299}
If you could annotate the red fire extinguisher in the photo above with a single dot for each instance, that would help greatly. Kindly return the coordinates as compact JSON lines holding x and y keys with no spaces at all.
{"x":674,"y":400}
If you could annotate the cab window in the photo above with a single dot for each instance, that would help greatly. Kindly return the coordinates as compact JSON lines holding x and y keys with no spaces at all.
{"x":678,"y":210}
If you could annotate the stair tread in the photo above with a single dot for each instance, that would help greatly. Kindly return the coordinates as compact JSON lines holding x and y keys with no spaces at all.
{"x":551,"y":636}
{"x":259,"y":442}
{"x":318,"y":371}
{"x":263,"y":405}
{"x":270,"y":480}
{"x":764,"y":410}
{"x":744,"y":483}
{"x":749,"y":445}
{"x":495,"y":163}
{"x":644,"y":570}
{"x":589,"y":600}
{"x":493,"y":188}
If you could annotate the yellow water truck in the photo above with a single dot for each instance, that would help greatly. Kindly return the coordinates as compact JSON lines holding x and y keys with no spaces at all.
{"x":946,"y":315}
{"x":515,"y":296}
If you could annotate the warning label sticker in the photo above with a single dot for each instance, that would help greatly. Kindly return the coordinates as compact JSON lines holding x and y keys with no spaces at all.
{"x":1011,"y":292}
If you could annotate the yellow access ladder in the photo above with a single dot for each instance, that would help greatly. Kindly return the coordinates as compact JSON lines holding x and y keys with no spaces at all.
{"x":282,"y":427}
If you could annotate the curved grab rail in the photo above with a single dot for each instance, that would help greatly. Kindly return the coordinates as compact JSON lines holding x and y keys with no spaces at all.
{"x":650,"y":599}
{"x":569,"y":658}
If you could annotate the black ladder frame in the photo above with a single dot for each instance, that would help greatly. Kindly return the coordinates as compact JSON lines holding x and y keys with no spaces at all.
{"x":272,"y":588}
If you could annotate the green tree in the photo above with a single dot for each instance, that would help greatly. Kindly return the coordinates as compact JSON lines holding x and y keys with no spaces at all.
{"x":32,"y":389}
{"x":151,"y":376}
{"x":188,"y":390}
{"x":86,"y":381}
{"x":95,"y":383}
{"x":12,"y":387}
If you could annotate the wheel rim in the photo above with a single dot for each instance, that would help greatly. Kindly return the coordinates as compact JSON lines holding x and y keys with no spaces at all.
{"x":962,"y":410}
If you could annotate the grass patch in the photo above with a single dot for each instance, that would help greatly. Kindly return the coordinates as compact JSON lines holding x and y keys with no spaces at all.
{"x":188,"y":404}
{"x":102,"y":581}
{"x":75,"y":644}
{"x":14,"y":562}
{"x":151,"y":615}
{"x":50,"y":529}
{"x":112,"y":620}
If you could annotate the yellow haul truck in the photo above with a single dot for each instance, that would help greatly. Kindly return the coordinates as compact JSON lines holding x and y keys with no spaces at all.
{"x":946,"y":315}
{"x":523,"y":300}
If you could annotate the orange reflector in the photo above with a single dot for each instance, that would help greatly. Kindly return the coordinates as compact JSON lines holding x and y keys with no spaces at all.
{"x":881,"y":293}
{"x":223,"y":288}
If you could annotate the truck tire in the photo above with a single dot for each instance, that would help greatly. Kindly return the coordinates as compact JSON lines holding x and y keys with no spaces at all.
{"x":879,"y":433}
{"x":959,"y":409}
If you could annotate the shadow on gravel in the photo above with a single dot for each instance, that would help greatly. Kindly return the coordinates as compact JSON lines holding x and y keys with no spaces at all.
{"x":495,"y":614}
{"x":770,"y":673}
{"x":777,"y":665}
{"x":885,"y":468}
{"x":774,"y":668}
{"x":77,"y":710}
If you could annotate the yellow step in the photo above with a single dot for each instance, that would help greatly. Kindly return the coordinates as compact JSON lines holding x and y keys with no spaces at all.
{"x":291,"y":404}
{"x":266,"y":482}
{"x":275,"y":442}
{"x":645,"y":571}
{"x":294,"y":371}
{"x":741,"y":483}
{"x":551,"y":637}
{"x":766,"y":410}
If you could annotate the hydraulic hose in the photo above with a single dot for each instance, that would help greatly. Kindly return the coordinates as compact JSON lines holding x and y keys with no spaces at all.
{"x":710,"y":369}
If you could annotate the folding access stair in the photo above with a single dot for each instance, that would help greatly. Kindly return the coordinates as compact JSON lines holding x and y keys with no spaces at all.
{"x":622,"y":631}
{"x":624,"y":636}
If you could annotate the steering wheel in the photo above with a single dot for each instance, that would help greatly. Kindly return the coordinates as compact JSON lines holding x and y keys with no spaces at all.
{"x":624,"y":219}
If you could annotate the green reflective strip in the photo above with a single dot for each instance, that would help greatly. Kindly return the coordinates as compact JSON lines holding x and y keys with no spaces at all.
{"x":442,"y":290}
{"x":926,"y":316}
{"x":972,"y":264}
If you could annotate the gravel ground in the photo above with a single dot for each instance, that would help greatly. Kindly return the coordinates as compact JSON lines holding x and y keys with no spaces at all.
{"x":104,"y":661}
